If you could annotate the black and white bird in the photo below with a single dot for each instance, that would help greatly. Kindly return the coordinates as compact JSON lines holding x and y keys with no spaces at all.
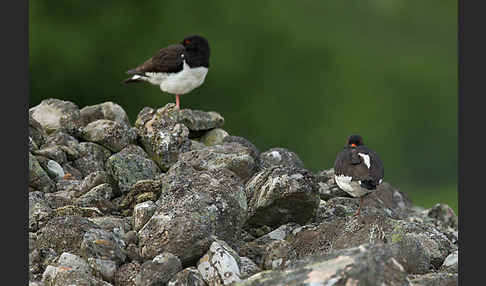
{"x":177,"y":68}
{"x":358,"y":170}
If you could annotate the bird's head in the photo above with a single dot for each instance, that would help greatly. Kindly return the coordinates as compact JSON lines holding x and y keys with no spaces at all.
{"x":196,"y":43}
{"x":355,"y":140}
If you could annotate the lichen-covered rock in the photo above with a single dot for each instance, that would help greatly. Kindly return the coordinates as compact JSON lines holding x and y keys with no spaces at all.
{"x":98,"y":197}
{"x":126,"y":274}
{"x":54,"y":114}
{"x":72,"y":210}
{"x":38,"y":178}
{"x":106,"y":110}
{"x":255,"y":153}
{"x":278,"y":255}
{"x":74,"y":262}
{"x":92,"y":180}
{"x":110,"y":134}
{"x":231,"y":156}
{"x":53,"y":152}
{"x":99,"y":243}
{"x":435,"y":279}
{"x":248,"y":267}
{"x":142,"y":190}
{"x":67,"y":143}
{"x":220,"y":265}
{"x":36,"y":132}
{"x":187,"y":277}
{"x":364,"y":265}
{"x":197,"y":120}
{"x":281,"y":194}
{"x":159,"y":270}
{"x":129,"y":166}
{"x":64,"y":234}
{"x":256,"y":249}
{"x":161,"y":135}
{"x":444,"y":214}
{"x":280,"y":156}
{"x":193,"y":205}
{"x":91,"y":158}
{"x":103,"y":268}
{"x":418,"y":247}
{"x":142,"y":213}
{"x":61,"y":276}
{"x":113,"y":224}
{"x":213,"y":137}
{"x":39,"y":210}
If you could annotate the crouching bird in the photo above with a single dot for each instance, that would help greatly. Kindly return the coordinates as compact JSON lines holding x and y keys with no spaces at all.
{"x":177,"y":68}
{"x":358,"y":170}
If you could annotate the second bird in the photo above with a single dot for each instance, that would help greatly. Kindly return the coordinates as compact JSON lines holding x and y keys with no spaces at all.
{"x":177,"y":68}
{"x":358,"y":170}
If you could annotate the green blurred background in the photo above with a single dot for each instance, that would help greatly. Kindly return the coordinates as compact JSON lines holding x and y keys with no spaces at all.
{"x":296,"y":74}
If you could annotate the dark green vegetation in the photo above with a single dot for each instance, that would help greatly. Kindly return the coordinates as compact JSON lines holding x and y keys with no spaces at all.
{"x":296,"y":74}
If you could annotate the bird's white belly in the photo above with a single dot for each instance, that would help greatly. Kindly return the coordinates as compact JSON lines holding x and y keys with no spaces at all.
{"x":184,"y":81}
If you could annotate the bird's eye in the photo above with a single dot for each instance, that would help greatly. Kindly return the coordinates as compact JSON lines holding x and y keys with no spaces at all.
{"x":187,"y":42}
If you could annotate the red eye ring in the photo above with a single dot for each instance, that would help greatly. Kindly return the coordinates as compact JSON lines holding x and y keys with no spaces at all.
{"x":187,"y":42}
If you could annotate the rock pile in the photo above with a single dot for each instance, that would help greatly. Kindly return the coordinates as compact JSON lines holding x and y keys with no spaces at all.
{"x":176,"y":200}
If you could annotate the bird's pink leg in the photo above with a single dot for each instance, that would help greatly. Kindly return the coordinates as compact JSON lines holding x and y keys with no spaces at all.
{"x":359,"y":208}
{"x":178,"y":102}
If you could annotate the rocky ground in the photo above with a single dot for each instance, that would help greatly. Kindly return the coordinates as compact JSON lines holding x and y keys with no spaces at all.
{"x":176,"y":200}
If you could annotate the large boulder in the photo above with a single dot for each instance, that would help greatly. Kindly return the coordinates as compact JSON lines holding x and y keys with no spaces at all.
{"x":281,"y":194}
{"x":55,"y":114}
{"x":194,"y":205}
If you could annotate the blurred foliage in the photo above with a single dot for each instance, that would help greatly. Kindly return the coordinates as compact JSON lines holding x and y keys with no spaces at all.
{"x":297,"y":74}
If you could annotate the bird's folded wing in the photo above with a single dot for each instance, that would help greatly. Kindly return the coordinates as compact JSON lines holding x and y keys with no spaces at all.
{"x":167,"y":60}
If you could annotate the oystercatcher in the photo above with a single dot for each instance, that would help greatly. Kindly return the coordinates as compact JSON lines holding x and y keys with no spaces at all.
{"x":177,"y":68}
{"x":358,"y":170}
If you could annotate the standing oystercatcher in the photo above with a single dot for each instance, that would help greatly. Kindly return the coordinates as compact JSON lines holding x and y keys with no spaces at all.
{"x":177,"y":69}
{"x":358,"y":170}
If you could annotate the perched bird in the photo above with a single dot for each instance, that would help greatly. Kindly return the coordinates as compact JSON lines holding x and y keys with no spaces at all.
{"x":177,"y":68}
{"x":358,"y":170}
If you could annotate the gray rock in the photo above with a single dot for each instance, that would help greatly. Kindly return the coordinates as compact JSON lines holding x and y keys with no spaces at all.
{"x":67,"y":143}
{"x":53,"y":152}
{"x":451,"y":263}
{"x":187,"y":277}
{"x":126,"y":274}
{"x":74,"y":262}
{"x":103,"y":268}
{"x":128,"y":166}
{"x":112,"y":224}
{"x":92,"y":180}
{"x":193,"y":205}
{"x":99,"y":243}
{"x":98,"y":197}
{"x":60,"y":199}
{"x":213,"y":137}
{"x":280,"y":156}
{"x":142,"y":213}
{"x":232,"y":156}
{"x":248,"y":267}
{"x":364,"y":265}
{"x":36,"y":132}
{"x":64,"y":234}
{"x":418,"y":247}
{"x":91,"y":158}
{"x":38,"y":178}
{"x":444,"y":214}
{"x":54,"y":114}
{"x":220,"y":265}
{"x":39,"y":211}
{"x":257,"y":248}
{"x":68,"y":185}
{"x":161,"y":135}
{"x":54,"y":170}
{"x":110,"y":134}
{"x":196,"y":145}
{"x":278,"y":255}
{"x":435,"y":279}
{"x":255,"y":153}
{"x":281,"y":194}
{"x":197,"y":120}
{"x":141,"y":191}
{"x":159,"y":270}
{"x":32,"y":145}
{"x":61,"y":276}
{"x":106,"y":110}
